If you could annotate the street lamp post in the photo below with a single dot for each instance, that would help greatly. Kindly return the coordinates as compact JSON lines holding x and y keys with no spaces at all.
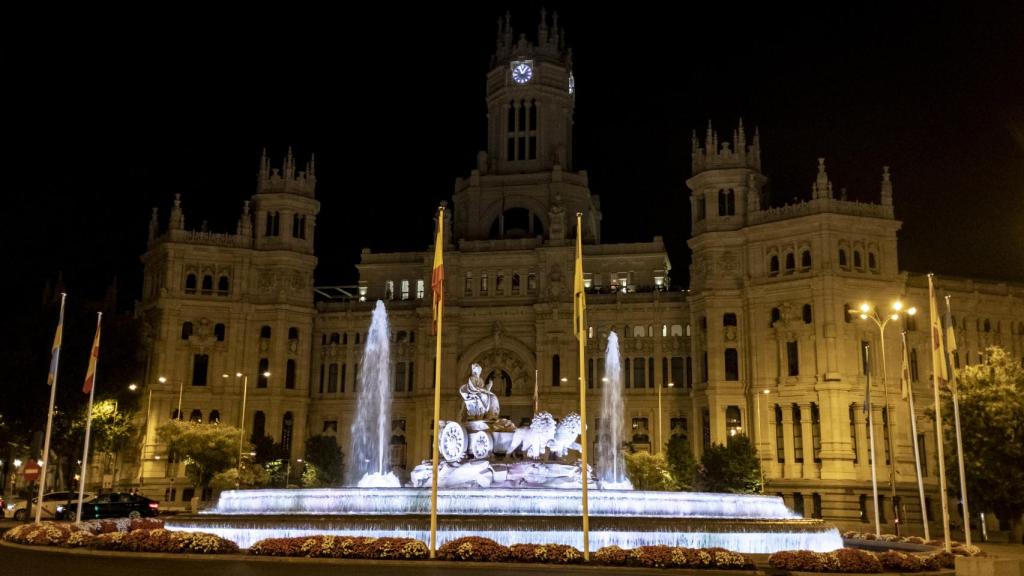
{"x":241,"y":422}
{"x":868,"y":312}
{"x":757,"y":425}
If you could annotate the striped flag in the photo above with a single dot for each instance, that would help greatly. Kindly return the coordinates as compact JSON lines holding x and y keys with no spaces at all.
{"x":55,"y":350}
{"x":437,"y":278}
{"x":938,"y":351}
{"x":950,"y":346}
{"x":579,"y":296}
{"x":90,"y":374}
{"x":905,"y":371}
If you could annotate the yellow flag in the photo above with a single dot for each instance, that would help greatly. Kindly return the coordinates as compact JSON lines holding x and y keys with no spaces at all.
{"x":938,"y":350}
{"x":437,"y":278}
{"x":579,"y":296}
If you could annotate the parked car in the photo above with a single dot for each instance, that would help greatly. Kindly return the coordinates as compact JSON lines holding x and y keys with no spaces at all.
{"x":3,"y":506}
{"x":51,"y":500}
{"x":112,"y":505}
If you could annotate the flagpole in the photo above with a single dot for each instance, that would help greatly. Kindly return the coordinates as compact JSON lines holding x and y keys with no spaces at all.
{"x":438,"y":298}
{"x":950,"y":347}
{"x":579,"y":305}
{"x":88,"y":419}
{"x":936,"y":338}
{"x":871,"y":442}
{"x":55,"y":361}
{"x":917,"y":450}
{"x":536,"y":395}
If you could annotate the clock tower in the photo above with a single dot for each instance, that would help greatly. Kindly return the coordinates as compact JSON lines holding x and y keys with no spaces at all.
{"x":524,"y":184}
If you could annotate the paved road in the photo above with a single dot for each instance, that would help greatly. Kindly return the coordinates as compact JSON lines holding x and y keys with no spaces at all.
{"x":19,"y":561}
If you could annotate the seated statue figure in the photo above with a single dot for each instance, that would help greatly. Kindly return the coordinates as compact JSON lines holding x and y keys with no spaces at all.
{"x":481,"y":403}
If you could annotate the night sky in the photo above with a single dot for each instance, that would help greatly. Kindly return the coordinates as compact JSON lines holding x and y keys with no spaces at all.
{"x":109,"y":120}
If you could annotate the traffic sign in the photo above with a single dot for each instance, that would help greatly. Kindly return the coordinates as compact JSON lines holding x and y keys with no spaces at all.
{"x":31,"y":471}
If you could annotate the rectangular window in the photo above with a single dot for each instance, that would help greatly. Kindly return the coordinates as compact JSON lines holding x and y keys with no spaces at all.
{"x":922,"y":454}
{"x":780,"y":436}
{"x":289,"y":376}
{"x":853,"y":431}
{"x":261,"y":378}
{"x":798,"y":503}
{"x":405,"y":289}
{"x":531,"y":283}
{"x":665,"y":374}
{"x":200,"y":367}
{"x":409,"y":379}
{"x":343,"y":374}
{"x":650,"y":372}
{"x":798,"y":436}
{"x":515,"y":283}
{"x":556,"y":370}
{"x":467,"y":289}
{"x":641,"y":431}
{"x":332,"y":379}
{"x":732,"y":365}
{"x":499,"y":284}
{"x":704,"y":367}
{"x":678,"y":378}
{"x":400,"y":377}
{"x":627,"y":374}
{"x":689,"y":372}
{"x":322,"y":370}
{"x":483,"y":284}
{"x":793,"y":358}
{"x":816,"y":432}
{"x":389,"y":290}
{"x":420,"y":290}
{"x":590,"y":373}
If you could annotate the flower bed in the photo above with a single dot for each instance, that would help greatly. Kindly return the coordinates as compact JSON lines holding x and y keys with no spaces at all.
{"x":475,"y":549}
{"x":852,"y":560}
{"x":135,"y":535}
{"x":547,"y":553}
{"x":342,"y":547}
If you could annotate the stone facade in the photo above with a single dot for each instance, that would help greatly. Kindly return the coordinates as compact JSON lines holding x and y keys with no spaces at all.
{"x":761,"y":342}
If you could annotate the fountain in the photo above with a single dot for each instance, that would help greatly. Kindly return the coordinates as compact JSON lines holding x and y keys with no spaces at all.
{"x":508,"y":483}
{"x":611,"y":469}
{"x":370,"y":430}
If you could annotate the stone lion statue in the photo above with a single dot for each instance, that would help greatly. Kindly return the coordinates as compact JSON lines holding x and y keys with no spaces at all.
{"x":566,"y":433}
{"x":535,"y":437}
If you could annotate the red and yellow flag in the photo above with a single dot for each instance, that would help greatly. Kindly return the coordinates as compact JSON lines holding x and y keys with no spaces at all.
{"x":90,"y":374}
{"x":938,"y":350}
{"x":437,"y":278}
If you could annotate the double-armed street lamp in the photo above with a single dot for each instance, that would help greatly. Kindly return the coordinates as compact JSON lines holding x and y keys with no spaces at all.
{"x":895,"y":312}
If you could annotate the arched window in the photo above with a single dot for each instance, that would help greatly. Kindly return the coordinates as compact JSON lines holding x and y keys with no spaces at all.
{"x":344,"y":338}
{"x":790,"y":263}
{"x":215,"y":417}
{"x":223,"y":285}
{"x":780,"y":436}
{"x":775,"y":317}
{"x":988,"y":325}
{"x":293,"y":333}
{"x":842,"y":258}
{"x":638,"y":331}
{"x":807,"y":314}
{"x":857,"y":262}
{"x":186,"y":330}
{"x":261,"y":379}
{"x":805,"y":260}
{"x":872,"y":261}
{"x":729,"y":319}
{"x":676,"y":330}
{"x":200,"y":369}
{"x":207,"y":284}
{"x":190,"y":284}
{"x":773,"y":266}
{"x":196,"y":416}
{"x":219,"y":332}
{"x":265,"y":331}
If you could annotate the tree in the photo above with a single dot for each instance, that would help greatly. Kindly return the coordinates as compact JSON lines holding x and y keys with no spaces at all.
{"x":207,"y":449}
{"x":253,"y":476}
{"x":324,"y":458}
{"x":991,"y":398}
{"x":733,"y":467}
{"x":111,"y":429}
{"x":648,"y":471}
{"x":681,"y":463}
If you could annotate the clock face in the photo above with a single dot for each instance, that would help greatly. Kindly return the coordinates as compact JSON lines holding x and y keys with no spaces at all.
{"x":522,"y":71}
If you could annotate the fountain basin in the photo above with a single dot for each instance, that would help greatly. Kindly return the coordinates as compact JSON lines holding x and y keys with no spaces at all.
{"x":750,"y":524}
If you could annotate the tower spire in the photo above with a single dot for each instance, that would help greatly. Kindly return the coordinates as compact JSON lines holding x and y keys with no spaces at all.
{"x":886,"y":187}
{"x":822,"y":187}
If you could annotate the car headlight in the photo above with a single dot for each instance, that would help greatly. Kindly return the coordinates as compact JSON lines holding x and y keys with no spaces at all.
{"x":60,"y":509}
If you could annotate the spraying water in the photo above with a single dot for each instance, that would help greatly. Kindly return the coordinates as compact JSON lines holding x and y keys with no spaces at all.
{"x":371,"y":430}
{"x":611,"y":468}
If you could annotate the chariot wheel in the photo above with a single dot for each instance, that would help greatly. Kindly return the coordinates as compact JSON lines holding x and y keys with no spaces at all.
{"x":453,"y":442}
{"x":480,"y":444}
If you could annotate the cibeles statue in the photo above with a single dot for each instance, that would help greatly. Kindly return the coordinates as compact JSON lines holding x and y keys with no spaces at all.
{"x":481,"y":403}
